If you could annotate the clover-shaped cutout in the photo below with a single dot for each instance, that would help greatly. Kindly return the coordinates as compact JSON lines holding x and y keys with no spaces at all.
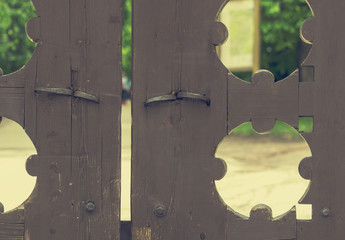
{"x":263,"y":168}
{"x":16,"y":184}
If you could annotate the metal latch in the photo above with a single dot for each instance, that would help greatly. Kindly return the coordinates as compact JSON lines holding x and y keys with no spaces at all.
{"x":174,"y":96}
{"x":68,"y":92}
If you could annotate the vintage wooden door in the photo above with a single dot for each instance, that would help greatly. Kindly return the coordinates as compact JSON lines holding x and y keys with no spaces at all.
{"x":68,"y":99}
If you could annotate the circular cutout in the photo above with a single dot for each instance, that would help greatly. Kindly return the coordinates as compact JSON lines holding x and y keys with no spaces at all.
{"x":264,"y":35}
{"x":262,"y":168}
{"x":16,"y":184}
{"x":15,"y":47}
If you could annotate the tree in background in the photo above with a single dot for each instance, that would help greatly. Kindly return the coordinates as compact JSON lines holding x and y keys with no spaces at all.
{"x":280,"y":41}
{"x":15,"y":47}
{"x":127,"y":37}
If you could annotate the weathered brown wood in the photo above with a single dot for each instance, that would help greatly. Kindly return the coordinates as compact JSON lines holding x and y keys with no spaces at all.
{"x":12,"y":96}
{"x":96,"y":69}
{"x":77,"y":138}
{"x":326,"y":141}
{"x":174,"y":168}
{"x":261,"y":226}
{"x":49,"y":211}
{"x":263,"y":101}
{"x":174,"y":142}
{"x":12,"y":225}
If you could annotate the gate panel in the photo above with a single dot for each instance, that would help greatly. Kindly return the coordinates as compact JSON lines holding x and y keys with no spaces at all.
{"x":71,"y":111}
{"x":176,"y":130}
{"x":179,"y":117}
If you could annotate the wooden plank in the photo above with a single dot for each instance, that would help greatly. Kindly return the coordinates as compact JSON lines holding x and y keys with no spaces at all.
{"x":261,"y":226}
{"x":12,"y":104}
{"x":96,"y":69}
{"x":263,"y":101}
{"x":14,"y":80}
{"x":49,"y":213}
{"x":174,"y":142}
{"x":12,"y":96}
{"x":328,"y":168}
{"x":78,"y":141}
{"x":12,"y":225}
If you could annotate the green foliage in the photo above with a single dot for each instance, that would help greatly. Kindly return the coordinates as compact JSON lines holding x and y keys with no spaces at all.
{"x":305,"y":124}
{"x":15,"y":47}
{"x":280,"y":42}
{"x":127,"y":37}
{"x":281,"y":130}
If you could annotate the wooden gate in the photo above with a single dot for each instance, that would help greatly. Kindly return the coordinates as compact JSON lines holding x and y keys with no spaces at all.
{"x":68,"y":99}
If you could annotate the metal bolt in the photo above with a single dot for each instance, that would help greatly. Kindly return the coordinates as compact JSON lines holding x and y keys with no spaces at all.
{"x":202,"y":236}
{"x":325,"y":212}
{"x":160,"y":210}
{"x":2,"y":208}
{"x":90,"y":206}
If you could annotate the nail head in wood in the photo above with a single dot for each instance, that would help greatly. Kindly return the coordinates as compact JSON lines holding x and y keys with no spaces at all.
{"x":160,"y":210}
{"x":90,"y":206}
{"x":325,"y":212}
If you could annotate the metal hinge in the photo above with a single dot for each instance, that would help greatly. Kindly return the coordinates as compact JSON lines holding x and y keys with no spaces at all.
{"x":174,"y":96}
{"x":68,"y":92}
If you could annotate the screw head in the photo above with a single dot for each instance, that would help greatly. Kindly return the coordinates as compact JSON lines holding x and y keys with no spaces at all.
{"x":202,"y":236}
{"x":90,"y":206}
{"x":325,"y":212}
{"x":160,"y":210}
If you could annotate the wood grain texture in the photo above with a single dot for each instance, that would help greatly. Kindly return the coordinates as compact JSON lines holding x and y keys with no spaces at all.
{"x":174,"y":142}
{"x":12,"y":96}
{"x":261,"y":226}
{"x":12,"y":225}
{"x":326,"y":140}
{"x":263,"y":101}
{"x":78,"y":141}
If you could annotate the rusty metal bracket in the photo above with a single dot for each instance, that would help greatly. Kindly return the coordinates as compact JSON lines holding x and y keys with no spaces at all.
{"x":68,"y":92}
{"x":179,"y":96}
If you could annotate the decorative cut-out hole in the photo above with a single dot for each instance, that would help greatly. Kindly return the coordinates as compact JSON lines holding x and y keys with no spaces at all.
{"x":305,"y":124}
{"x":304,"y":212}
{"x":264,"y":35}
{"x":16,"y":184}
{"x":262,"y":168}
{"x":15,"y":47}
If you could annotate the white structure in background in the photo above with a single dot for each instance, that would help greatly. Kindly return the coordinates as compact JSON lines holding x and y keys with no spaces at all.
{"x":241,"y":52}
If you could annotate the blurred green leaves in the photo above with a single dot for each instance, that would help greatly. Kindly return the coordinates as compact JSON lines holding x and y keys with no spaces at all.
{"x":127,"y":37}
{"x":280,"y":41}
{"x":15,"y":47}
